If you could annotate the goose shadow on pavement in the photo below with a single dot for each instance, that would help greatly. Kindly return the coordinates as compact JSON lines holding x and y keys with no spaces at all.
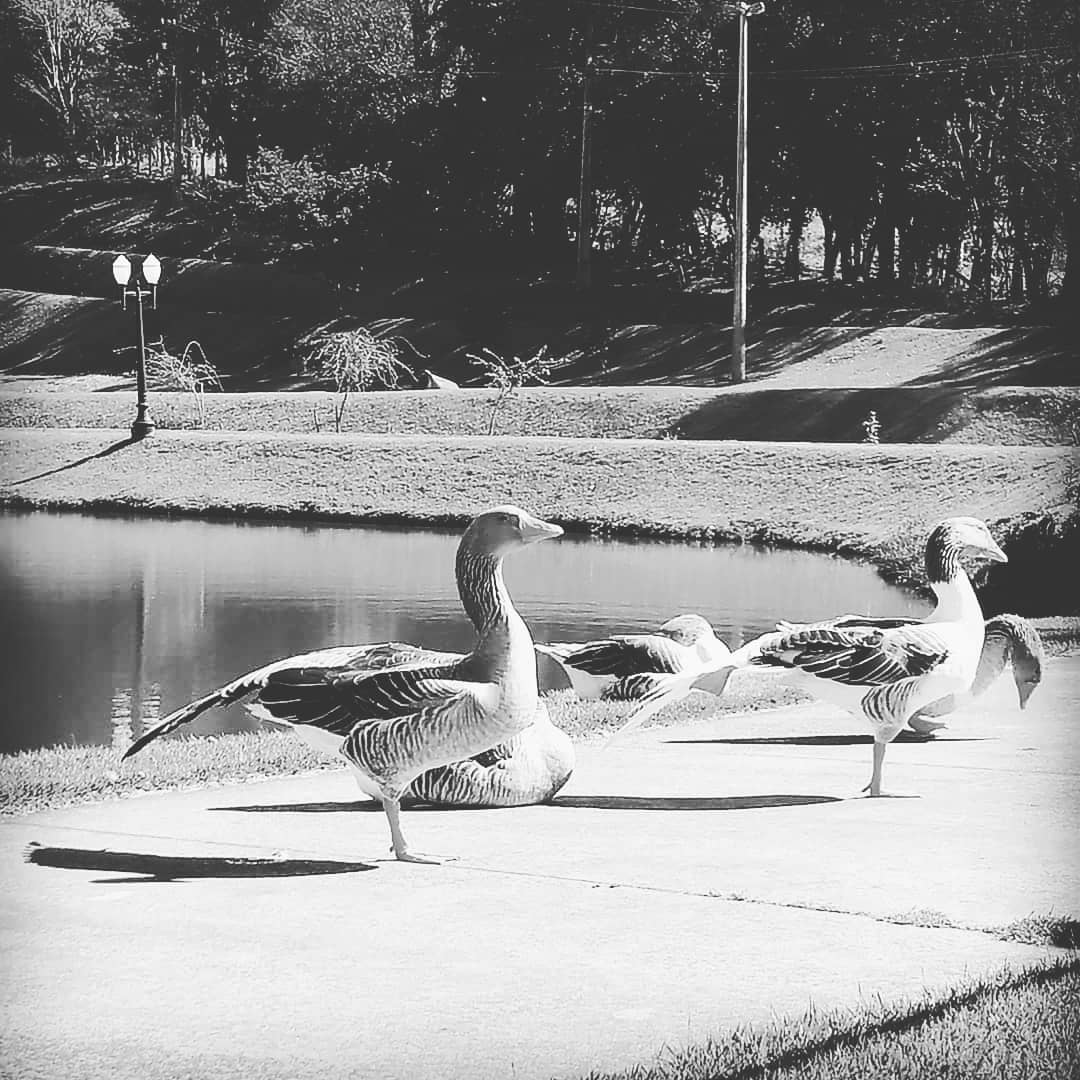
{"x":150,"y":867}
{"x":589,"y":802}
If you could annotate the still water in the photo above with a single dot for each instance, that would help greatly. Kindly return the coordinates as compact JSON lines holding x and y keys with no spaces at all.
{"x":107,"y":618}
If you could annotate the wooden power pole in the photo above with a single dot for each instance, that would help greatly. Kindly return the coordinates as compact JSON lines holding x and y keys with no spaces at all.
{"x":585,"y":188}
{"x":738,"y":331}
{"x":176,"y":189}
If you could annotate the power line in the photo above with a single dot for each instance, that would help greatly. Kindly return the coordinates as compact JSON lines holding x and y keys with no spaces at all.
{"x":902,"y":69}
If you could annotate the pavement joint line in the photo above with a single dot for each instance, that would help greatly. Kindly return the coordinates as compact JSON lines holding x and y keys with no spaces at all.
{"x":734,"y":898}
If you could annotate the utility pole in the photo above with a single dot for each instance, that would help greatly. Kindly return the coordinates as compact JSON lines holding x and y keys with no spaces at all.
{"x":738,"y":331}
{"x":173,"y":25}
{"x":585,"y":188}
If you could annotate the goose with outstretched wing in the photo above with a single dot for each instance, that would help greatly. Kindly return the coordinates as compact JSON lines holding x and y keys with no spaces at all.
{"x":624,"y":667}
{"x":884,"y":671}
{"x":395,"y":712}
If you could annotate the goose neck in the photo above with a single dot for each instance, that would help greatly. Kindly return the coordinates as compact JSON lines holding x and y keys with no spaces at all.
{"x":482,"y":590}
{"x":956,"y":600}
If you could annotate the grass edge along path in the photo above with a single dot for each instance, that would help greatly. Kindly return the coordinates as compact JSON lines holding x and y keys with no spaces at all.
{"x":66,"y":775}
{"x":1015,"y":1025}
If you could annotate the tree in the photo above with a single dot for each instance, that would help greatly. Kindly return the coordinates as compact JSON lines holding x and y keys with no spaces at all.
{"x":68,"y":44}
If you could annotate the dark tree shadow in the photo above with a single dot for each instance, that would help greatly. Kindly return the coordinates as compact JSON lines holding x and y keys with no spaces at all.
{"x":176,"y":868}
{"x":671,"y":802}
{"x":82,"y":461}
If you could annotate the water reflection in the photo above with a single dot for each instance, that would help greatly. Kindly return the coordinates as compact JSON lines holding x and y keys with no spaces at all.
{"x":116,"y":616}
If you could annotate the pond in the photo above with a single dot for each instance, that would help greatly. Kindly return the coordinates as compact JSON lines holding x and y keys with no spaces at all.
{"x":113,"y":621}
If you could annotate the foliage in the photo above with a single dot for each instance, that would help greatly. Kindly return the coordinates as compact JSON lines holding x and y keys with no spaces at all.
{"x":303,"y":199}
{"x":509,"y":373}
{"x":938,"y":143}
{"x":872,"y":427}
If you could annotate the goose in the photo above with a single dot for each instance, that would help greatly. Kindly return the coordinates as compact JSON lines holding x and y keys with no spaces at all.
{"x":625,"y":667}
{"x":395,"y":712}
{"x":884,"y":671}
{"x":1006,"y":638}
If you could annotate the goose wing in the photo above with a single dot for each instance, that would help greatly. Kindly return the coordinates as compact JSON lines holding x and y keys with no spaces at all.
{"x":858,"y":655}
{"x":847,"y":622}
{"x":338,"y":701}
{"x":622,"y":655}
{"x":378,"y":657}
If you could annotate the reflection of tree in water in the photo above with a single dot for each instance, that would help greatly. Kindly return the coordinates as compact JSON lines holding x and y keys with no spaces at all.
{"x":134,"y":710}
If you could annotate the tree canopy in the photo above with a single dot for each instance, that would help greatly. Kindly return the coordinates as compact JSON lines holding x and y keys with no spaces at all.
{"x":938,"y":143}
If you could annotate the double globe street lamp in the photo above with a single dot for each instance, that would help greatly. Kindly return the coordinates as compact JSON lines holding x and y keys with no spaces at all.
{"x":151,"y":275}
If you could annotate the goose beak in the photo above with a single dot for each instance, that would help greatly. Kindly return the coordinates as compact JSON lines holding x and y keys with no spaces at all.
{"x":995,"y":554}
{"x":1024,"y":689}
{"x":533,"y":530}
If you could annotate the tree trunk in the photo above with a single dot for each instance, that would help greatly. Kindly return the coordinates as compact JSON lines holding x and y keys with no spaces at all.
{"x":828,"y":270}
{"x":886,"y":247}
{"x":1069,"y":296}
{"x":237,"y":145}
{"x":793,"y":254}
{"x":982,"y":262}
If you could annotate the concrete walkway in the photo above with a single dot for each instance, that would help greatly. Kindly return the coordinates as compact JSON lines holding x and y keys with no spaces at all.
{"x":685,"y":882}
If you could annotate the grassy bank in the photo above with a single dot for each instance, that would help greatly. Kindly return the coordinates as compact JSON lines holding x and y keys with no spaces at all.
{"x":875,"y":502}
{"x":1018,"y":416}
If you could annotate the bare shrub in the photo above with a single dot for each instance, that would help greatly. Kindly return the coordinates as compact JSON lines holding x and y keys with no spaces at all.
{"x":507,"y":373}
{"x":355,"y":360}
{"x":191,"y":371}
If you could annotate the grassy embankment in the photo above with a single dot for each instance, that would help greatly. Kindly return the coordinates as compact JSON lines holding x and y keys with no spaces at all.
{"x":1005,"y":415}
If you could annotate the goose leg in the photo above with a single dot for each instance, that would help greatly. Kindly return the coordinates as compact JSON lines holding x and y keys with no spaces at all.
{"x":392,"y":805}
{"x":874,"y":787}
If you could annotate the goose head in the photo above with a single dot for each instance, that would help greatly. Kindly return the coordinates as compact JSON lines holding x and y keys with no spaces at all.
{"x":958,"y":536}
{"x":687,"y":629}
{"x":1011,"y":638}
{"x":694,"y":632}
{"x":503,"y":529}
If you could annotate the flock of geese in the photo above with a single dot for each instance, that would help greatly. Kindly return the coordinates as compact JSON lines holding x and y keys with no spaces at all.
{"x":470,"y":729}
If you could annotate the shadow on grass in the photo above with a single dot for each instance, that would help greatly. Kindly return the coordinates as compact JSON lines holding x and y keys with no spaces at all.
{"x":666,"y":802}
{"x":82,"y":461}
{"x":828,"y":1047}
{"x":178,"y":868}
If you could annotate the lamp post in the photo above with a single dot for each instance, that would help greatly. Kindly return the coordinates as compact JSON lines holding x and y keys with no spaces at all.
{"x":738,"y":330}
{"x":151,"y":273}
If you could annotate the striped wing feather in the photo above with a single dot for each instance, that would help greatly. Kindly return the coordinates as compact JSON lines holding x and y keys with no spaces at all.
{"x":859,"y":656}
{"x":337,"y":701}
{"x":355,"y":658}
{"x":630,"y":654}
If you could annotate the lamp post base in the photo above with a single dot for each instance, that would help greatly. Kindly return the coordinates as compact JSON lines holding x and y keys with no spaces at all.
{"x":141,"y":428}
